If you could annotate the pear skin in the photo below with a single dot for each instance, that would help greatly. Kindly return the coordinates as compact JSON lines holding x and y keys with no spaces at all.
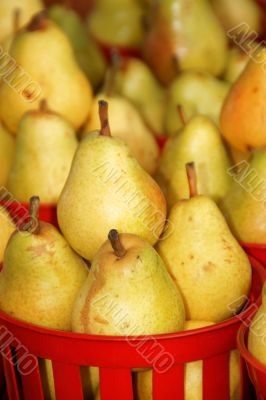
{"x":7,"y":227}
{"x":62,"y":84}
{"x":193,"y":374}
{"x":146,"y":303}
{"x":236,"y":63}
{"x":7,"y":148}
{"x":45,"y":146}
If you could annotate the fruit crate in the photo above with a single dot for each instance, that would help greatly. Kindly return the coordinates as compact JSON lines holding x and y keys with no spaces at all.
{"x":255,"y":250}
{"x":256,"y":370}
{"x":117,"y":356}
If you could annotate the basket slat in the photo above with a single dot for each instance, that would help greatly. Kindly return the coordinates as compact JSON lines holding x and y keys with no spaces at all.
{"x":216,"y":375}
{"x":10,"y":375}
{"x":67,"y":381}
{"x":31,"y":382}
{"x":116,"y":384}
{"x":169,"y":384}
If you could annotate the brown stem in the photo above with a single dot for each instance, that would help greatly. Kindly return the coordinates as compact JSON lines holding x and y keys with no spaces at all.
{"x":192,"y":179}
{"x":176,"y":63}
{"x":43,"y":105}
{"x":181,"y":113}
{"x":33,"y":226}
{"x":111,"y":74}
{"x":103,"y":114}
{"x":16,"y":20}
{"x":38,"y":21}
{"x":117,"y":246}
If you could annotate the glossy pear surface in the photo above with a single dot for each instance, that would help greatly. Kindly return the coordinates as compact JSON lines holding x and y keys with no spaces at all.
{"x":107,"y":187}
{"x":45,"y":147}
{"x":201,"y":142}
{"x":7,"y":148}
{"x":56,"y":76}
{"x":181,"y":30}
{"x":205,"y":260}
{"x":128,"y":125}
{"x":236,"y":63}
{"x":7,"y":227}
{"x":138,"y":286}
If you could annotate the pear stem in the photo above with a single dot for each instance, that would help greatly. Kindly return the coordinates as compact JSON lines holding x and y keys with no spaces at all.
{"x":111,"y":74}
{"x":192,"y":179}
{"x":181,"y":113}
{"x":33,"y":226}
{"x":116,"y":244}
{"x":103,"y":114}
{"x":43,"y":105}
{"x":16,"y":20}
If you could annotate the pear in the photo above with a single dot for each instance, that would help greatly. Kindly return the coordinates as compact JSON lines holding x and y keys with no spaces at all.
{"x":27,"y":9}
{"x":196,"y":93}
{"x":244,"y":127}
{"x":45,"y":147}
{"x":7,"y":227}
{"x":181,"y":31}
{"x":117,"y":23}
{"x":233,"y":13}
{"x":106,"y":186}
{"x":206,"y":262}
{"x":88,"y":54}
{"x":199,"y":140}
{"x":257,"y":332}
{"x":7,"y":148}
{"x":236,"y":63}
{"x":128,"y":125}
{"x":136,"y":82}
{"x":147,"y":301}
{"x":56,"y":77}
{"x":193,"y":374}
{"x":244,"y":204}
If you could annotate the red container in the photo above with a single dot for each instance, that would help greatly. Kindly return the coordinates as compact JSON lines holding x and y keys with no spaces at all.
{"x":116,"y":356}
{"x":256,"y":370}
{"x":255,"y":250}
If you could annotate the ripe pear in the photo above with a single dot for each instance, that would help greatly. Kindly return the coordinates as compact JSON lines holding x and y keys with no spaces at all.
{"x":45,"y":146}
{"x":7,"y":148}
{"x":107,"y":187}
{"x":136,"y":82}
{"x":196,"y":93}
{"x":193,"y":374}
{"x":55,"y":77}
{"x":244,"y":127}
{"x":7,"y":7}
{"x":205,"y":260}
{"x":236,"y":63}
{"x":257,"y":332}
{"x":128,"y":292}
{"x":7,"y":227}
{"x":200,"y":141}
{"x":233,"y":13}
{"x":88,"y":54}
{"x":180,"y":31}
{"x":127,"y":125}
{"x":245,"y":203}
{"x":117,"y":23}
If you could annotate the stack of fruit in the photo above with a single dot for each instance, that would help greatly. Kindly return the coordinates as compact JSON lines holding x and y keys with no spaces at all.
{"x":140,"y":229}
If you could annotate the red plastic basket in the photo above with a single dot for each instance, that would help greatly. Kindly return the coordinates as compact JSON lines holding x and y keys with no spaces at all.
{"x":255,"y":250}
{"x":116,"y":356}
{"x":256,"y":370}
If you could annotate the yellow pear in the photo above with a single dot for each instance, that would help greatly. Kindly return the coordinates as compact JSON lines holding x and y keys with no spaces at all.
{"x":107,"y":187}
{"x":200,"y":141}
{"x":257,"y":331}
{"x":205,"y":260}
{"x":7,"y":148}
{"x":45,"y":146}
{"x":7,"y":227}
{"x":7,"y":7}
{"x":236,"y":63}
{"x":55,"y":77}
{"x":193,"y":374}
{"x":128,"y":125}
{"x":128,"y":292}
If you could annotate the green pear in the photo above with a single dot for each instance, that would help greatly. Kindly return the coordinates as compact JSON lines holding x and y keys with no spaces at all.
{"x":244,"y":204}
{"x":128,"y":292}
{"x":27,"y":9}
{"x":88,"y":54}
{"x":200,"y":141}
{"x":236,"y":63}
{"x":193,"y":374}
{"x":205,"y":260}
{"x":196,"y":93}
{"x":7,"y":148}
{"x":117,"y":23}
{"x":189,"y":34}
{"x":107,"y":187}
{"x":7,"y":227}
{"x":257,"y":332}
{"x":128,"y":125}
{"x":136,"y":82}
{"x":45,"y":147}
{"x":55,"y":77}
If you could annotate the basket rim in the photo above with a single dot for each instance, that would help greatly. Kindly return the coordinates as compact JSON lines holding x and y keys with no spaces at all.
{"x":251,"y":245}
